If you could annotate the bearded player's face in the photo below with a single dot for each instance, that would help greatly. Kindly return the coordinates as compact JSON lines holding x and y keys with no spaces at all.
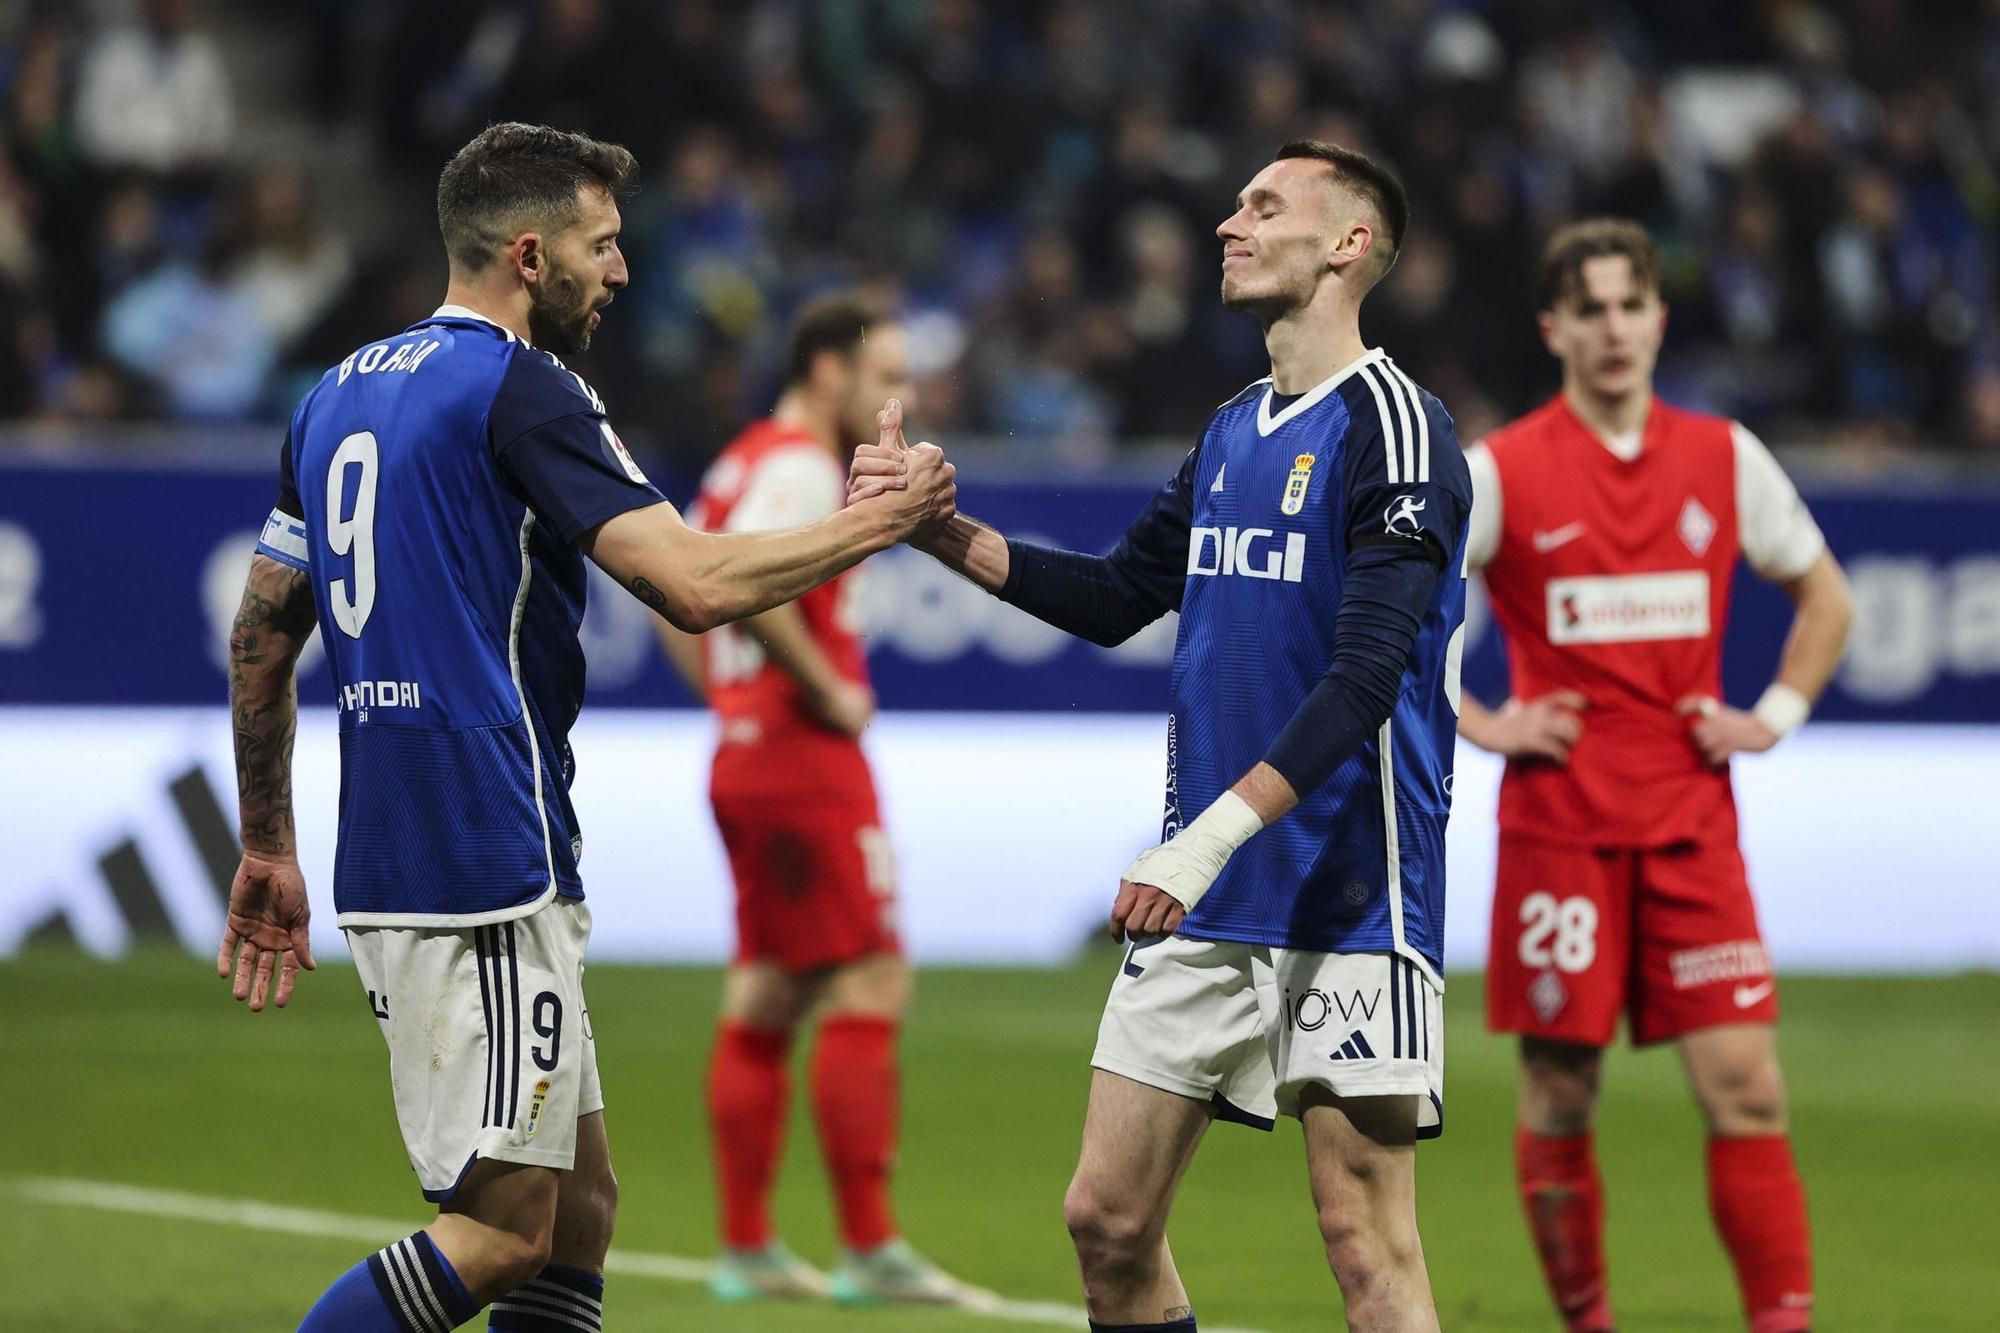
{"x":1274,"y":246}
{"x":583,"y":269}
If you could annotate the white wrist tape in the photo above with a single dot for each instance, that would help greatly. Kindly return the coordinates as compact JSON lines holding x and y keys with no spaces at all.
{"x":1782,"y":708}
{"x":1184,"y":866}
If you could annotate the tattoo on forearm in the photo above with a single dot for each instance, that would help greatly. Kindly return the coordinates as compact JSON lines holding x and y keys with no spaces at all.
{"x":271,"y":627}
{"x":643,"y":589}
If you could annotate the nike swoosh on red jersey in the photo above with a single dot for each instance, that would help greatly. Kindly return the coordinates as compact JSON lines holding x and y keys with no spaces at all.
{"x":1562,"y":536}
{"x":1749,"y":995}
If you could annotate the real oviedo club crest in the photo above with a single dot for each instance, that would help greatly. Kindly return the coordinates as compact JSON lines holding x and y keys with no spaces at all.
{"x":1296,"y":484}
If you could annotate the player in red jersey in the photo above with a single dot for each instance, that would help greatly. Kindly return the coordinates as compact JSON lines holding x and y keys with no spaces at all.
{"x":1608,"y":525}
{"x":815,"y":880}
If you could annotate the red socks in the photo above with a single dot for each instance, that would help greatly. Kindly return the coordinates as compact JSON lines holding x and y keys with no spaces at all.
{"x":1760,"y":1209}
{"x":854,"y":1092}
{"x":1753,"y":1190}
{"x":749,"y":1091}
{"x":1564,"y":1199}
{"x":855,"y":1101}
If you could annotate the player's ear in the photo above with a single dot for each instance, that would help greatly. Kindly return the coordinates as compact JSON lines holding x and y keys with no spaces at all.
{"x":526,"y":252}
{"x":1350,"y":246}
{"x":1546,"y":322}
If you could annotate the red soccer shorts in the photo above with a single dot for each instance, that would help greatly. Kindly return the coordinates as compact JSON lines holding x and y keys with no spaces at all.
{"x":815,"y":879}
{"x":1667,"y":934}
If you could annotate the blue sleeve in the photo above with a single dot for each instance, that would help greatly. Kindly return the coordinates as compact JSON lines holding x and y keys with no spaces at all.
{"x":1382,"y":602}
{"x":284,"y":535}
{"x":1405,"y":476}
{"x":1109,"y":598}
{"x":552,"y":441}
{"x":1408,"y":499}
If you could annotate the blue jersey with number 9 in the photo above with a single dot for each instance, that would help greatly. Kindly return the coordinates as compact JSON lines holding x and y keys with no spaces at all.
{"x":434,"y":486}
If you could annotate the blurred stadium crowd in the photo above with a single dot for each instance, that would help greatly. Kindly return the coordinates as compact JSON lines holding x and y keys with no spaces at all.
{"x":202,"y":204}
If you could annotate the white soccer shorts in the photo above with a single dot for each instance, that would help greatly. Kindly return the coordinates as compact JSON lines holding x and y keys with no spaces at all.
{"x":490,"y":1049}
{"x":1248,"y":1027}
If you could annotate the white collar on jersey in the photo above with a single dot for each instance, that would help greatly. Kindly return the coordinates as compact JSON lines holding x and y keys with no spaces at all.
{"x":1625,"y":447}
{"x":466,"y":312}
{"x":1266,"y":422}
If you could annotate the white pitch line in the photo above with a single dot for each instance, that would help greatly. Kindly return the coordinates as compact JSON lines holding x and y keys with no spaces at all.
{"x":107,"y":1196}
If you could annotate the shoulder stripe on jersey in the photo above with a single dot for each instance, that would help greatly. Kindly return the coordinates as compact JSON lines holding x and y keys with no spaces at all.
{"x":1407,"y":435}
{"x":1396,"y":375}
{"x":1388,"y":425}
{"x":588,"y":392}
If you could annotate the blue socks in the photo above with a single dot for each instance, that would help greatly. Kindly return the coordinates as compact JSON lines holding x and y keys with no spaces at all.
{"x":1182,"y":1325}
{"x":411,"y":1288}
{"x":407,"y":1288}
{"x":558,"y":1300}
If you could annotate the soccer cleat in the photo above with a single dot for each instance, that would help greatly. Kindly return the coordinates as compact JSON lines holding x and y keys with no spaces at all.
{"x":893,"y":1273}
{"x":773,"y":1273}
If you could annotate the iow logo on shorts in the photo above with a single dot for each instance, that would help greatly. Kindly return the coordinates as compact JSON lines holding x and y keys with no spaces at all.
{"x":1311,"y":1009}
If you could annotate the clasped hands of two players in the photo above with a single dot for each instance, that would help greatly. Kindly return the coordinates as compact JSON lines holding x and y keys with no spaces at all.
{"x":929,"y":496}
{"x":1546,"y":727}
{"x":888,"y":464}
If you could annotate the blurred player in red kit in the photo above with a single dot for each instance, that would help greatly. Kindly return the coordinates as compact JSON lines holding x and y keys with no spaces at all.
{"x":815,"y":879}
{"x":1608,"y":525}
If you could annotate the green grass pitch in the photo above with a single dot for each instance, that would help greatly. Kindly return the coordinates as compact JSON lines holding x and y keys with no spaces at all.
{"x":144,"y":1073}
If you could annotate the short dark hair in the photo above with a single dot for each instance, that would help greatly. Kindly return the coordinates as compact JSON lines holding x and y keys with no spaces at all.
{"x":1375,"y":183}
{"x":512,"y":177}
{"x":836,"y":322}
{"x":1559,"y":276}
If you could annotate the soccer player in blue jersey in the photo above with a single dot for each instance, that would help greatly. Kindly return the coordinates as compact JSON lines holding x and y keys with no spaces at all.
{"x":439,"y":491}
{"x":1287,"y":936}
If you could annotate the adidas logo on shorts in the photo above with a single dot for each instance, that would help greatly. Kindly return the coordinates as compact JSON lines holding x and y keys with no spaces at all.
{"x":1354,"y":1048}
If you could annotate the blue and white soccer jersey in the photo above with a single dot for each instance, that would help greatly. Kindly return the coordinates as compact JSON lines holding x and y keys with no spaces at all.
{"x":434,"y":486}
{"x":1343,"y":898}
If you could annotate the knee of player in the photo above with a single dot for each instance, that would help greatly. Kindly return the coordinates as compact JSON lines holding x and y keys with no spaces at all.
{"x":520,"y":1255}
{"x":1745,"y":1097}
{"x":1558,"y":1115}
{"x":1363,"y":1242}
{"x":1559,"y":1098}
{"x":1102,"y":1224}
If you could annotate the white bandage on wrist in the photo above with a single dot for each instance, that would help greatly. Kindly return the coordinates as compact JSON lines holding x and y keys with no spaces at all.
{"x":1184,"y":866}
{"x":1782,"y":709}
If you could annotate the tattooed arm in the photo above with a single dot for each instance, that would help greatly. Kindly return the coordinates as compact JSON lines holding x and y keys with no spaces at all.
{"x":268,"y":912}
